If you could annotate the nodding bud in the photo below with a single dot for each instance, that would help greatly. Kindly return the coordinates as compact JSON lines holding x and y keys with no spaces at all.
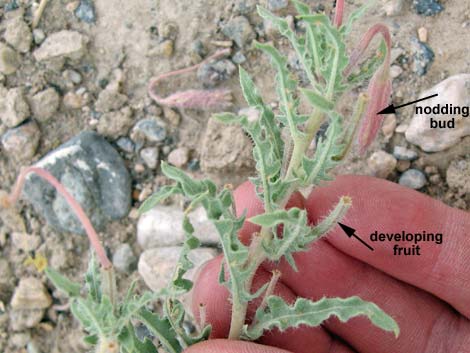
{"x":339,"y":10}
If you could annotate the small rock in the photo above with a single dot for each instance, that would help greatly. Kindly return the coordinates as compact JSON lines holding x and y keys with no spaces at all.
{"x":124,"y":259}
{"x":157,"y":266}
{"x":427,"y":7}
{"x":403,"y":165}
{"x":24,"y":319}
{"x":454,"y":90}
{"x":150,"y":129}
{"x":30,"y":294}
{"x":73,"y":100}
{"x":116,"y":123}
{"x":239,"y":30}
{"x":212,"y":73}
{"x":11,"y":5}
{"x":38,"y":36}
{"x":171,"y":116}
{"x":458,"y":175}
{"x":401,"y":129}
{"x":423,"y":57}
{"x":412,"y":178}
{"x":382,"y":164}
{"x":150,"y":157}
{"x":13,"y":107}
{"x":93,"y":172}
{"x":275,"y":5}
{"x":162,"y":226}
{"x":61,"y":45}
{"x":238,"y":58}
{"x":6,"y":281}
{"x":388,"y":126}
{"x":395,"y":71}
{"x":110,"y":99}
{"x":18,"y":34}
{"x":405,"y":154}
{"x":125,"y":144}
{"x":179,"y":157}
{"x":422,"y":34}
{"x":21,"y":143}
{"x":393,"y":7}
{"x":73,"y":76}
{"x":85,"y":11}
{"x":435,"y":179}
{"x":166,"y":48}
{"x":44,"y":104}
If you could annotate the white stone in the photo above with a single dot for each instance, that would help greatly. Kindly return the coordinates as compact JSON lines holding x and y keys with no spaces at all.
{"x":381,"y":164}
{"x":161,"y":226}
{"x":454,"y":90}
{"x":13,"y":107}
{"x":62,"y":44}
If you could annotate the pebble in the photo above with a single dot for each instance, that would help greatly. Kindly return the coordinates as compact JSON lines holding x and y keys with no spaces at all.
{"x":24,"y":319}
{"x":44,"y":104}
{"x":125,"y":144}
{"x":239,"y":30}
{"x":166,"y":48}
{"x":116,"y":123}
{"x":9,"y":60}
{"x":150,"y":157}
{"x":21,"y":143}
{"x":124,"y":259}
{"x":393,"y":7}
{"x":30,"y":294}
{"x":179,"y":157}
{"x":18,"y":34}
{"x":157,"y":266}
{"x":403,"y":165}
{"x":162,"y":226}
{"x":435,"y":179}
{"x":38,"y":36}
{"x":412,"y":178}
{"x":93,"y":172}
{"x":423,"y":57}
{"x":427,"y":7}
{"x":73,"y":100}
{"x":388,"y":126}
{"x":73,"y":76}
{"x":63,"y":44}
{"x":458,"y":175}
{"x":423,"y":34}
{"x":382,"y":164}
{"x":395,"y":71}
{"x":110,"y":99}
{"x":405,"y":154}
{"x":150,"y":129}
{"x":171,"y":116}
{"x":13,"y":107}
{"x":238,"y":58}
{"x":85,"y":11}
{"x":401,"y":129}
{"x":212,"y":73}
{"x":275,"y":5}
{"x":454,"y":90}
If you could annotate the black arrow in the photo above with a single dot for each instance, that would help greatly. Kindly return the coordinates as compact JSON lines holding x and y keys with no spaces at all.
{"x":350,"y":233}
{"x":391,"y":109}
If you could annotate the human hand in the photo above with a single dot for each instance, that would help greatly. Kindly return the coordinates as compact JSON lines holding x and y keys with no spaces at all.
{"x":428,"y":295}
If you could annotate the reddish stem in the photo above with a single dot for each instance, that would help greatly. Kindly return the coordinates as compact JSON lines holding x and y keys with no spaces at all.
{"x":339,"y":10}
{"x":74,"y":205}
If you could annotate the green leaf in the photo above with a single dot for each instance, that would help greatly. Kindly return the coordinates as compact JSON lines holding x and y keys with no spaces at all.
{"x":96,"y":318}
{"x":355,"y":15}
{"x":301,"y":7}
{"x":162,"y":194}
{"x":131,"y":343}
{"x":317,"y":100}
{"x":275,"y":218}
{"x":281,"y":315}
{"x":226,"y":118}
{"x":91,"y":340}
{"x":62,"y":283}
{"x":93,"y":280}
{"x":249,"y":90}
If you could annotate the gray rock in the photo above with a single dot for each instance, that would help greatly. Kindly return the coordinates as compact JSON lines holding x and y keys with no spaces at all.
{"x":454,"y":90}
{"x":381,"y":164}
{"x":427,"y":7}
{"x":156,"y":266}
{"x":404,"y":154}
{"x":423,"y":57}
{"x":110,"y":99}
{"x":44,"y":104}
{"x":21,"y":143}
{"x":38,"y":36}
{"x":116,"y":123}
{"x":150,"y":129}
{"x":30,"y":294}
{"x":61,"y":45}
{"x":125,"y":144}
{"x":413,"y":178}
{"x":18,"y":34}
{"x":275,"y":5}
{"x":72,"y":77}
{"x":458,"y":175}
{"x":93,"y":172}
{"x":13,"y":107}
{"x":86,"y":11}
{"x":124,"y":259}
{"x":239,"y":30}
{"x":212,"y":73}
{"x":9,"y":60}
{"x":238,"y":58}
{"x":150,"y":157}
{"x":162,"y":226}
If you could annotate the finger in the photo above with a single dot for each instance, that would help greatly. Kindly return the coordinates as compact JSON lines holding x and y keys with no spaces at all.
{"x":390,"y":208}
{"x":230,"y":346}
{"x":214,"y":297}
{"x":324,"y":271}
{"x":247,"y":201}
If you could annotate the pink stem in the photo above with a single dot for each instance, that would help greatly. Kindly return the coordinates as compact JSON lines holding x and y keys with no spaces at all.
{"x":77,"y":209}
{"x":339,"y":10}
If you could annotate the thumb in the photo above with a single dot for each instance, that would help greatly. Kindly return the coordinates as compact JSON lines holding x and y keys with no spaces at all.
{"x":231,"y":346}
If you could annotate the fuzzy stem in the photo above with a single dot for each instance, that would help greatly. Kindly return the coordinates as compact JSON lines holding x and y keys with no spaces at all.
{"x":74,"y":205}
{"x":270,"y":290}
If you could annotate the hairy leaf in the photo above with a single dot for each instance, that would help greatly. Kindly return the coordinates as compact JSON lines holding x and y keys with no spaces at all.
{"x":93,"y":280}
{"x":131,"y":343}
{"x":161,"y":328}
{"x":61,"y":282}
{"x":162,"y":194}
